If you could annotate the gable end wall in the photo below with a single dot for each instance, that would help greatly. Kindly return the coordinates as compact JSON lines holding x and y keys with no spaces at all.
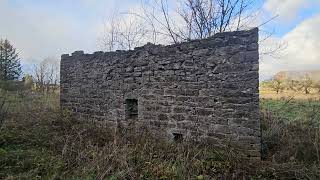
{"x":206,"y":90}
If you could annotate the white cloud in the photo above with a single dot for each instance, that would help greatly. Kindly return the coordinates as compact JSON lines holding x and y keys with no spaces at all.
{"x":286,"y":9}
{"x":302,"y":51}
{"x":39,"y":32}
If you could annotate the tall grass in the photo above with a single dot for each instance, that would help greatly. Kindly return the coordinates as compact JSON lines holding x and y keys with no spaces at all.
{"x":3,"y":107}
{"x":38,"y":140}
{"x":291,"y":131}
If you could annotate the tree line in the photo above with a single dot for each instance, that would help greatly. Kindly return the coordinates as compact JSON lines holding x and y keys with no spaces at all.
{"x":280,"y":83}
{"x":43,"y":78}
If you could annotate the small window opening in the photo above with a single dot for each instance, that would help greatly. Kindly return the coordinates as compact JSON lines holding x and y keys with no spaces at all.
{"x":131,"y":108}
{"x":177,"y":137}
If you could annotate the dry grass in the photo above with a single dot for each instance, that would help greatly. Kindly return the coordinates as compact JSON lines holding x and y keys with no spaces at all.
{"x":268,"y":93}
{"x":40,"y":141}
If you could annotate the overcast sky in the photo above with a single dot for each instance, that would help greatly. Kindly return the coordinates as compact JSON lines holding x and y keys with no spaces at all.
{"x":43,"y":28}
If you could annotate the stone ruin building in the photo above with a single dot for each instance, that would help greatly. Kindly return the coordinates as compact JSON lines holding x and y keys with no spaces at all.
{"x":203,"y":91}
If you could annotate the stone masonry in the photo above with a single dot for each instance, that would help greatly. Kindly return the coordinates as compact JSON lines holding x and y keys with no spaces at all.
{"x":203,"y":91}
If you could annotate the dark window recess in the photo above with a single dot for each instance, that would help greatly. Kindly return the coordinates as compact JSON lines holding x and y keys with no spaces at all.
{"x":131,"y":108}
{"x":177,"y":137}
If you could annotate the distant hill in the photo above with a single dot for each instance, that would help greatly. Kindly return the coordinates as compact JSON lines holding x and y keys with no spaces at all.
{"x":299,"y":75}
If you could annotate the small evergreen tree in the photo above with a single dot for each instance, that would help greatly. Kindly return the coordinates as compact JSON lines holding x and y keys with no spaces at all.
{"x":10,"y":67}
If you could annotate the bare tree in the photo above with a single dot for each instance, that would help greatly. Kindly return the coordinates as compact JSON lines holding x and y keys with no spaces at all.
{"x":207,"y":17}
{"x":109,"y":41}
{"x":293,"y":85}
{"x":317,"y":86}
{"x":306,"y":84}
{"x":278,"y":82}
{"x":277,"y":85}
{"x":124,"y":31}
{"x":157,"y":21}
{"x":46,"y":75}
{"x":198,"y":19}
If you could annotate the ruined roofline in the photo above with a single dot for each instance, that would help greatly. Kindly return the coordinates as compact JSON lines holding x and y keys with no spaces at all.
{"x":253,"y":31}
{"x":204,"y":91}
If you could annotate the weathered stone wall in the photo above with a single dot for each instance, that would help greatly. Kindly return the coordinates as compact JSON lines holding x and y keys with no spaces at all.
{"x":203,"y":90}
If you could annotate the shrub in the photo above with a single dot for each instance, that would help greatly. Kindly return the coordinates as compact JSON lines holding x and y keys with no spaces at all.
{"x":11,"y":85}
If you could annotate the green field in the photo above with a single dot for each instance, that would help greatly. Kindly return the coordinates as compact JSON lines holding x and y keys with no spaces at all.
{"x":293,"y":110}
{"x":38,"y":141}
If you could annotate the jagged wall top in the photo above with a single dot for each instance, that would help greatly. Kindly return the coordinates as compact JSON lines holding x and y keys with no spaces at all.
{"x":220,"y":39}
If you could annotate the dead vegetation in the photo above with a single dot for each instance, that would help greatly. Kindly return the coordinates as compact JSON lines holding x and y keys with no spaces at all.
{"x":40,"y":141}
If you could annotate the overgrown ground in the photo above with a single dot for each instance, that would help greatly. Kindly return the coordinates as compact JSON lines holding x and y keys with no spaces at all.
{"x":38,"y":141}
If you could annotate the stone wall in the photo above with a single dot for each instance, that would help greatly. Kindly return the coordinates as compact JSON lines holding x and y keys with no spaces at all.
{"x":203,"y":90}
